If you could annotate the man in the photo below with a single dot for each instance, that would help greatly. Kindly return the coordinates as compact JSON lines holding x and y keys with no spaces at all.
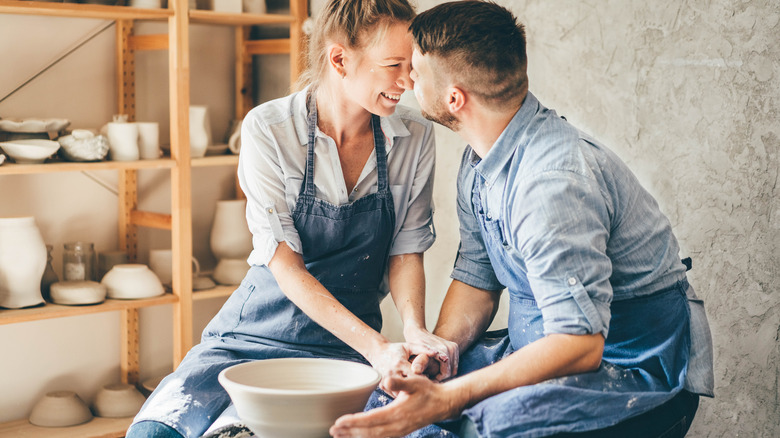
{"x":605,"y":336}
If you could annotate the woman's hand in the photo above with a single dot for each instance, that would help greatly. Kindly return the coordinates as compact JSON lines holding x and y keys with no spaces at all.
{"x":394,"y":359}
{"x":439,"y":366}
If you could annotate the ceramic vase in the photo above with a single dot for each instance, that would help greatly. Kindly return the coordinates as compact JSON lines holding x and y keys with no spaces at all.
{"x":200,"y":130}
{"x":230,"y":241}
{"x":22,"y":262}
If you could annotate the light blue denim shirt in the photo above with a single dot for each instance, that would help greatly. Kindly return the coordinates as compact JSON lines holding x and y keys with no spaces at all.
{"x":573,"y":218}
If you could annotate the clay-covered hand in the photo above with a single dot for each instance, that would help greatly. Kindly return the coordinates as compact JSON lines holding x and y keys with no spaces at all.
{"x":394,"y":358}
{"x":420,"y":402}
{"x":443,"y":364}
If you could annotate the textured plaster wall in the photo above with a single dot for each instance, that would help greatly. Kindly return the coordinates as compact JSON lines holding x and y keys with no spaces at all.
{"x":688,"y":94}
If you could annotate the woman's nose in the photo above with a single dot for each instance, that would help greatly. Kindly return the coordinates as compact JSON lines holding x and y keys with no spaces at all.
{"x":405,"y":81}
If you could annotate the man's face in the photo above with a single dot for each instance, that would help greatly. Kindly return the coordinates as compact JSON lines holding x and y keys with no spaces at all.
{"x":429,"y":92}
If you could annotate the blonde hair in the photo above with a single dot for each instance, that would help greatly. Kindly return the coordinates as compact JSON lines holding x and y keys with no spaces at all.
{"x":348,"y":22}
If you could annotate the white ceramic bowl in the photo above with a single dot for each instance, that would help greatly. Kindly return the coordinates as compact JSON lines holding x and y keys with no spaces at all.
{"x":297,"y":397}
{"x":60,"y":409}
{"x":132,"y":281}
{"x":118,"y":400}
{"x":30,"y":151}
{"x":76,"y":293}
{"x":33,"y":125}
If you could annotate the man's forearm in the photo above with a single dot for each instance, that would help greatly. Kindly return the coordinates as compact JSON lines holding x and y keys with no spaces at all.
{"x":466,"y":313}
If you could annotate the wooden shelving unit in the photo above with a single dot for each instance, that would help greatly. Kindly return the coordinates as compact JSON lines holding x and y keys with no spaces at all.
{"x":180,"y":164}
{"x":96,"y":428}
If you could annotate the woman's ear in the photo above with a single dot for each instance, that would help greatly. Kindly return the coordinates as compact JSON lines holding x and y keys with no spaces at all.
{"x":336,"y":57}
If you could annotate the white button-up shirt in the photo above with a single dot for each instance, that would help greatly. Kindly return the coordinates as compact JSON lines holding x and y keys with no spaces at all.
{"x":272,"y":163}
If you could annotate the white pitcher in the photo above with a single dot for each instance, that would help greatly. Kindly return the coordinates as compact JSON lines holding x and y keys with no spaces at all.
{"x":230,"y":236}
{"x":231,"y":241}
{"x":200,"y":130}
{"x":22,"y":262}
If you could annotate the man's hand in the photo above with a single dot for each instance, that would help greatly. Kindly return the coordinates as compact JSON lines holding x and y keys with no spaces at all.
{"x":420,"y":402}
{"x":442,"y":365}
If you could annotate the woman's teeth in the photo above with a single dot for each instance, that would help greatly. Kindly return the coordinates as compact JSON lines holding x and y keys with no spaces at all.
{"x":391,"y":96}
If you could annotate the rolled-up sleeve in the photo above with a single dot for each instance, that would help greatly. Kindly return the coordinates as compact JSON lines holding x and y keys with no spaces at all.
{"x":561,"y":225}
{"x":262,"y":181}
{"x":416,"y":233}
{"x":472,"y":263}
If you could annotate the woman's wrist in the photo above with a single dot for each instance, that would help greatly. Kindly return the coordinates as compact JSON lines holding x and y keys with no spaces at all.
{"x":413,"y":327}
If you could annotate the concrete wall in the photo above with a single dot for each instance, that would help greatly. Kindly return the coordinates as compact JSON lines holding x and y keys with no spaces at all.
{"x":685,"y":92}
{"x":688,"y":94}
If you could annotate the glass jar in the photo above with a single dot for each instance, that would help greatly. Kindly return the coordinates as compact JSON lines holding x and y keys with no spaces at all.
{"x":78,"y":262}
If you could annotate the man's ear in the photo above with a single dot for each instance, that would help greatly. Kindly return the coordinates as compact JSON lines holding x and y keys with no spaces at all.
{"x":336,"y":58}
{"x":456,"y":99}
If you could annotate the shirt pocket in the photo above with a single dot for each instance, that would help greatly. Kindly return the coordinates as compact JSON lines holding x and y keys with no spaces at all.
{"x":495,"y":231}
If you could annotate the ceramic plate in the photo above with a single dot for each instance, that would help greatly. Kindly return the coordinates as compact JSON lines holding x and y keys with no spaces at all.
{"x":33,"y":125}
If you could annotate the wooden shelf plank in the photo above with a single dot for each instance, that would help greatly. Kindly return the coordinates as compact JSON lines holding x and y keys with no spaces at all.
{"x":232,"y":19}
{"x":75,"y":10}
{"x":148,"y":42}
{"x":218,"y":292}
{"x":98,"y":427}
{"x":62,"y":166}
{"x":215,"y":160}
{"x":268,"y":47}
{"x":151,"y":220}
{"x":13,"y":316}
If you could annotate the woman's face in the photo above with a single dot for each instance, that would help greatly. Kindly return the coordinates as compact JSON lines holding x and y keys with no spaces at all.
{"x":379,"y":74}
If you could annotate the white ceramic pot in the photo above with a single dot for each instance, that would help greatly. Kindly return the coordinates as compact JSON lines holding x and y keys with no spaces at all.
{"x":200,"y":130}
{"x":22,"y":262}
{"x":297,"y":397}
{"x":118,"y":400}
{"x":132,"y":281}
{"x":230,"y":271}
{"x":122,"y":141}
{"x":148,"y":140}
{"x":230,"y":237}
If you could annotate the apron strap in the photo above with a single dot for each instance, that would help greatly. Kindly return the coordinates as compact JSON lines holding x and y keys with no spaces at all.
{"x":381,"y":155}
{"x":307,"y":188}
{"x":311,"y":127}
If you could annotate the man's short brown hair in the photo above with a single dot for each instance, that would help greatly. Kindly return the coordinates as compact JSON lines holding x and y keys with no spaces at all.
{"x":480,"y":45}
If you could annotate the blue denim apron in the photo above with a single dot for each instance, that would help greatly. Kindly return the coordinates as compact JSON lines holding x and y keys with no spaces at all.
{"x":644,"y":362}
{"x":346,"y":247}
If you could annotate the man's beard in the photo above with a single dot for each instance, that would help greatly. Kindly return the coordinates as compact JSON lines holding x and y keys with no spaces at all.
{"x":442,"y":117}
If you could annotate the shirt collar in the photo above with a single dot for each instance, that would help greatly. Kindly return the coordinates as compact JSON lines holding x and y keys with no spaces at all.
{"x":506,"y":144}
{"x":392,"y":126}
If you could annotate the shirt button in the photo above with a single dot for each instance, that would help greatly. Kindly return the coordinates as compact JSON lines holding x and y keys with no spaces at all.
{"x":270,"y":210}
{"x":572,"y":281}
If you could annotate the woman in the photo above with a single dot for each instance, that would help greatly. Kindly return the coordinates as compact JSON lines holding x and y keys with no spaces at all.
{"x":338,"y":182}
